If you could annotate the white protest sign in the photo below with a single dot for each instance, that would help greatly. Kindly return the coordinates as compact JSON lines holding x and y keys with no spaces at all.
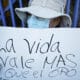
{"x":39,"y":54}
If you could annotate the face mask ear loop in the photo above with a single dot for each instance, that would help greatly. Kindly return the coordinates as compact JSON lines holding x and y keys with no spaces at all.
{"x":49,"y":23}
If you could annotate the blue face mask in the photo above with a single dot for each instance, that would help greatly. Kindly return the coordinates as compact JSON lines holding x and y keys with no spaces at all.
{"x":36,"y":22}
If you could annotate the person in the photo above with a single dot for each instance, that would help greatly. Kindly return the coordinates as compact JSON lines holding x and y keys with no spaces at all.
{"x":45,"y":14}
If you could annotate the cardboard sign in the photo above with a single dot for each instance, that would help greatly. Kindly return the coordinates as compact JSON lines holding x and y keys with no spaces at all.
{"x":39,"y":54}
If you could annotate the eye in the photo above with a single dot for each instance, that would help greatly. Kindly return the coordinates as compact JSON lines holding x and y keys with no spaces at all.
{"x":39,"y":18}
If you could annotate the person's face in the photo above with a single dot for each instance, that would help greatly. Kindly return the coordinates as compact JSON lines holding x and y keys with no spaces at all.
{"x":37,"y":22}
{"x":54,"y":22}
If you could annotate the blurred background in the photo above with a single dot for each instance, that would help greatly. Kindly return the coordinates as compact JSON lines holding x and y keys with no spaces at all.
{"x":9,"y":18}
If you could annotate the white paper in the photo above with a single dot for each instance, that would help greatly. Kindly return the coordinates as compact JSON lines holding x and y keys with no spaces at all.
{"x":39,"y":54}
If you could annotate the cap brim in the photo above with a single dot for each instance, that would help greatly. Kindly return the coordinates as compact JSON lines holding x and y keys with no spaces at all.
{"x":42,"y":12}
